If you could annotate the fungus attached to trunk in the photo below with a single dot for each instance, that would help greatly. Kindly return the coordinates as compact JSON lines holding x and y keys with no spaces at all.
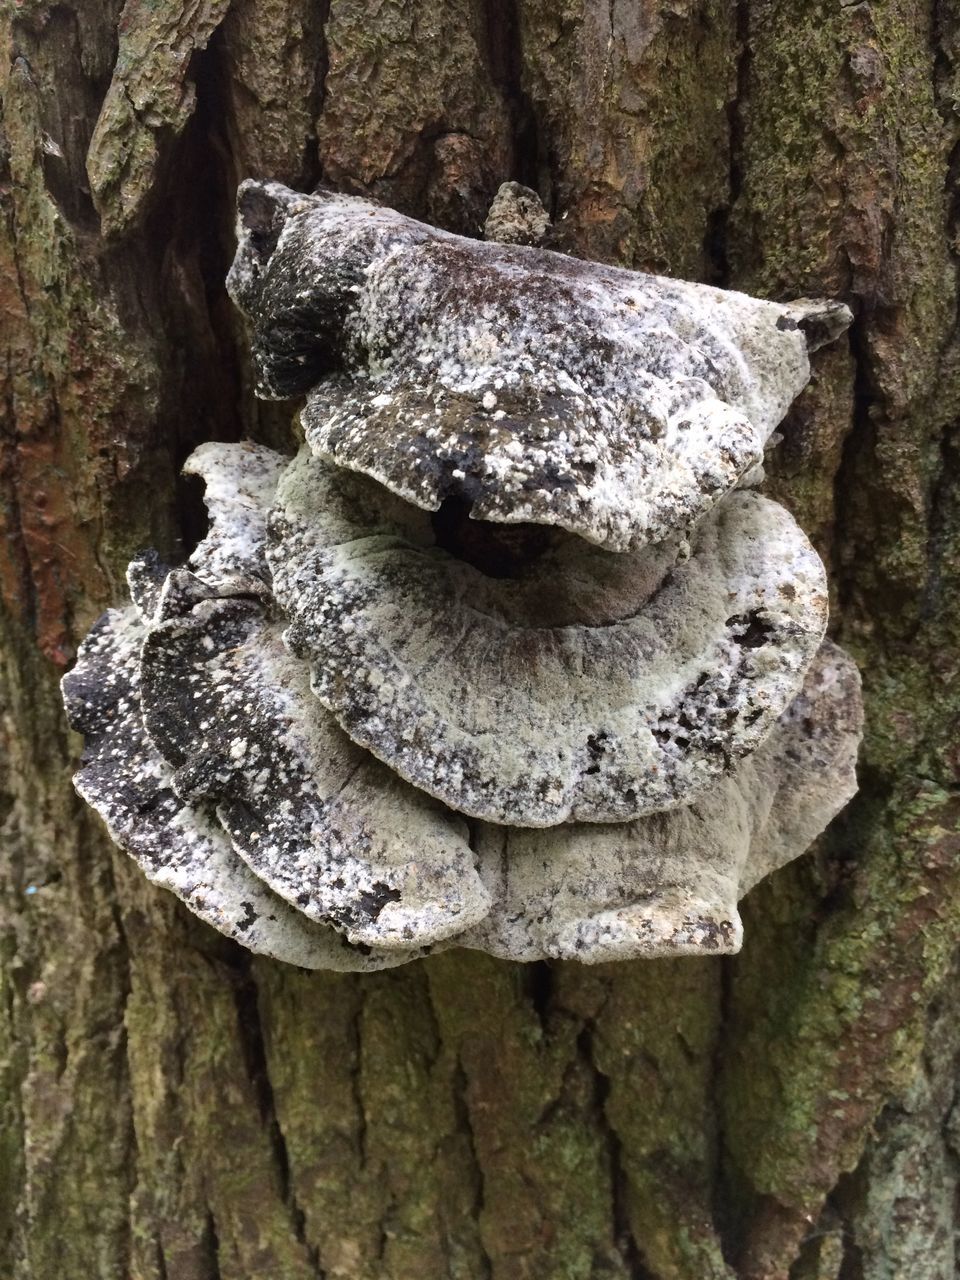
{"x":669,"y":883}
{"x":537,"y":387}
{"x":179,"y":845}
{"x":591,"y":687}
{"x":508,"y":656}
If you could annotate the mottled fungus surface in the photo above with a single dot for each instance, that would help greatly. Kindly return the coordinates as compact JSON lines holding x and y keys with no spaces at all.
{"x":516,"y":216}
{"x":318,"y":820}
{"x":631,"y":700}
{"x":508,"y":656}
{"x":536,"y":387}
{"x":178,"y":845}
{"x":669,"y":883}
{"x":239,"y":483}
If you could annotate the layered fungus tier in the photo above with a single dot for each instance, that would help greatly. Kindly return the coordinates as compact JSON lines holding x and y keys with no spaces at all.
{"x":512,"y":655}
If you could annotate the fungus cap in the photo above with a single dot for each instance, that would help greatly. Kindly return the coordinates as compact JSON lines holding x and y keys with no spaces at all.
{"x":247,"y":786}
{"x":177,"y":844}
{"x":669,"y":883}
{"x":536,"y":387}
{"x":319,"y":821}
{"x":594,"y":688}
{"x":231,"y":713}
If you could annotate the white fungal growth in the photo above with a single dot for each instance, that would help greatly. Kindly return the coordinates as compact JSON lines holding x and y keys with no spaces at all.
{"x":239,"y":484}
{"x":669,"y":883}
{"x":507,"y":657}
{"x":466,"y":687}
{"x":179,"y":845}
{"x":628,"y":404}
{"x":321,"y":823}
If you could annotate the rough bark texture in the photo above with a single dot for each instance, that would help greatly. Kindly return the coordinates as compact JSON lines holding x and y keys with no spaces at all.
{"x":171,"y":1109}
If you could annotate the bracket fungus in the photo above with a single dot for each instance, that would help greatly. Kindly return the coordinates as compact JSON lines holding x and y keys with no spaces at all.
{"x":628,"y":700}
{"x":510,"y":655}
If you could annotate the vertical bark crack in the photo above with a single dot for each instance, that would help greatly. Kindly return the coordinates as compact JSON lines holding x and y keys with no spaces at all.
{"x":314,"y":162}
{"x":462,"y":1111}
{"x":860,"y":437}
{"x":211,"y":1243}
{"x":716,"y":246}
{"x":623,"y":1237}
{"x":723,"y":1196}
{"x":356,"y":1078}
{"x":246,"y":996}
{"x":540,"y":984}
{"x":505,"y":60}
{"x":161,"y":1261}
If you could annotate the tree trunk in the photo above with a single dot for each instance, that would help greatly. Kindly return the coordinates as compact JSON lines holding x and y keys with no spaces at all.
{"x":172,"y":1108}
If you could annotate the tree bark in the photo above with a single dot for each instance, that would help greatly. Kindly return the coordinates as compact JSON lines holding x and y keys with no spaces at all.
{"x":172,"y":1108}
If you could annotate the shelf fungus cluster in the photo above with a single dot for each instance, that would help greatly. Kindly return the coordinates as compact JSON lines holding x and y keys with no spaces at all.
{"x":511,"y":655}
